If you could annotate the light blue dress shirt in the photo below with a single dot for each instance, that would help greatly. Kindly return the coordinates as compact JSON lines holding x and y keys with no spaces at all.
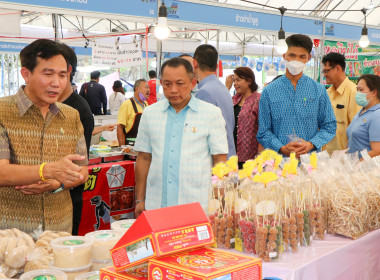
{"x":213,"y":91}
{"x":363,"y":129}
{"x":305,"y":112}
{"x":180,"y":170}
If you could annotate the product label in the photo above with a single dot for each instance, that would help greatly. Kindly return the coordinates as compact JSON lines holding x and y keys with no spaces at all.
{"x":94,"y":277}
{"x":125,"y":225}
{"x":272,"y":254}
{"x":183,"y":238}
{"x":45,"y":277}
{"x":73,"y":242}
{"x":105,"y":235}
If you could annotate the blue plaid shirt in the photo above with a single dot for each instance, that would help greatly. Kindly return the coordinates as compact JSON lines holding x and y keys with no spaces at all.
{"x":305,"y":112}
{"x":180,"y":170}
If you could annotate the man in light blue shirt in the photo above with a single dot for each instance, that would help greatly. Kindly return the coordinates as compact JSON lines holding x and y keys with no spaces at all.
{"x":178,"y":141}
{"x":213,"y":91}
{"x":295,"y":113}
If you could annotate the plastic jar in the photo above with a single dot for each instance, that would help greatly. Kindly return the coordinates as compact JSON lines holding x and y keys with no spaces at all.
{"x":93,"y":275}
{"x":122,"y":225}
{"x":71,"y":251}
{"x":44,"y":274}
{"x":97,"y":265}
{"x":103,"y":242}
{"x":72,"y":272}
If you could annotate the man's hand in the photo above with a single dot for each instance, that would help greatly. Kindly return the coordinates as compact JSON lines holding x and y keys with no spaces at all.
{"x":40,"y":187}
{"x":140,"y":207}
{"x":287,"y":149}
{"x":302,"y":148}
{"x":229,"y":81}
{"x":65,"y":170}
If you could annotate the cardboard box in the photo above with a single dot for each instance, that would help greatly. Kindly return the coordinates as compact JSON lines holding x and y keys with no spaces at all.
{"x":139,"y":272}
{"x":205,"y":264}
{"x":162,"y":232}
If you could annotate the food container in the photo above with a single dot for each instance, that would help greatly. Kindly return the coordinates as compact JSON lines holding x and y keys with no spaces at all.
{"x":44,"y":274}
{"x":103,"y":242}
{"x":100,"y":149}
{"x":93,"y":275}
{"x":71,"y":251}
{"x":97,"y":265}
{"x":122,"y":225}
{"x":72,"y":272}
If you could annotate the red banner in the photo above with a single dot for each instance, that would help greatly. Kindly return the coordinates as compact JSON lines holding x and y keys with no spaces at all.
{"x":109,"y":192}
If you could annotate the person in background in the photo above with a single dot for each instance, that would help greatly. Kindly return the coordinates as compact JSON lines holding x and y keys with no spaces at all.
{"x":342,"y":98}
{"x":295,"y":113}
{"x":95,"y":94}
{"x":42,"y":146}
{"x":211,"y":90}
{"x":116,"y":98}
{"x":128,"y":118}
{"x":246,"y":111}
{"x":364,"y":130}
{"x":152,"y":83}
{"x":178,"y":141}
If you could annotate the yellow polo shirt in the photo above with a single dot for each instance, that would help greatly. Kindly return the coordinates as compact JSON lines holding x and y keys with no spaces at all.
{"x":345,"y":108}
{"x":126,"y":115}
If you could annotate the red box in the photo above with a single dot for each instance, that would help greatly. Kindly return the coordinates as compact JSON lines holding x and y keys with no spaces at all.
{"x":205,"y":264}
{"x":139,"y":272}
{"x":161,"y":232}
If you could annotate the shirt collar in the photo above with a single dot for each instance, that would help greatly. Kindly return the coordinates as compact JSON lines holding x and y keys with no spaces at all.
{"x":24,"y":103}
{"x":340,"y":89}
{"x":209,"y":78}
{"x":374,"y":108}
{"x":236,"y":98}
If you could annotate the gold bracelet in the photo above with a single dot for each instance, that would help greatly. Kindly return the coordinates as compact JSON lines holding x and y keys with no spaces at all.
{"x":41,"y":171}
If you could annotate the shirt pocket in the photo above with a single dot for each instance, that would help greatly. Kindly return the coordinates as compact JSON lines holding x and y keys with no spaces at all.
{"x":340,"y":115}
{"x":196,"y":139}
{"x":277,"y":109}
{"x":308,"y":108}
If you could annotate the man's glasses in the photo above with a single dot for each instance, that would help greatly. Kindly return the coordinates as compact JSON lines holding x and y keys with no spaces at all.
{"x":324,"y":72}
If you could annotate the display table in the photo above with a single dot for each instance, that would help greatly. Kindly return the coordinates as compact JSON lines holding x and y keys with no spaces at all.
{"x":333,"y":258}
{"x":108,"y":195}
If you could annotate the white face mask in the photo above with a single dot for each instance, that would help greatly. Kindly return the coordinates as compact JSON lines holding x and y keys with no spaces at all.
{"x":295,"y":67}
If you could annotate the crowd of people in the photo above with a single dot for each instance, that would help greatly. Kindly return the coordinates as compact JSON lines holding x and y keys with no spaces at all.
{"x":46,"y":127}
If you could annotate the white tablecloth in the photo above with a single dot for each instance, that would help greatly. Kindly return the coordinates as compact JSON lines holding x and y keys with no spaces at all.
{"x":335,"y":258}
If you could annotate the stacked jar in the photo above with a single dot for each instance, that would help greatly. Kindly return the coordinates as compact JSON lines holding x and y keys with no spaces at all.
{"x":72,"y":255}
{"x":103,"y":242}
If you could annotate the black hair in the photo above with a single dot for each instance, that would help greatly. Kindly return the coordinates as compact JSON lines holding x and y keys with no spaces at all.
{"x":176,"y":62}
{"x":71,"y":59}
{"x":41,"y":48}
{"x":95,"y":75}
{"x":152,"y":74}
{"x":300,"y":40}
{"x":207,"y":57}
{"x":185,"y":55}
{"x":137,"y":84}
{"x":335,"y":59}
{"x":373,"y":83}
{"x":247,"y":74}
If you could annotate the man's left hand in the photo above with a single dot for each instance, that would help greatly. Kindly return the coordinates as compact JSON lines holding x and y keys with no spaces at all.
{"x":40,"y":187}
{"x":302,"y":148}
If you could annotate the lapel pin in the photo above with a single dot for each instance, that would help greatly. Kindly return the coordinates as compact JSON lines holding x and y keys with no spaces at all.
{"x":61,"y":131}
{"x":194,"y":129}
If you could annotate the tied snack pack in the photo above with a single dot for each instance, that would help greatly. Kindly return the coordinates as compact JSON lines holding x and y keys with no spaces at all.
{"x":162,"y":232}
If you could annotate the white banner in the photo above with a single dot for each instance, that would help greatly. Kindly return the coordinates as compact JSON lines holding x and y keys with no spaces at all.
{"x":129,"y":55}
{"x":104,"y":55}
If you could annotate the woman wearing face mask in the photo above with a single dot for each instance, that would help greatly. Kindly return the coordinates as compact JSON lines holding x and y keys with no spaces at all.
{"x":246,"y":110}
{"x":364,"y":130}
{"x":128,"y":118}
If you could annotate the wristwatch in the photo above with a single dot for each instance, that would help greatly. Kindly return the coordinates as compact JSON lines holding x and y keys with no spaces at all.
{"x":61,"y":188}
{"x":139,"y":200}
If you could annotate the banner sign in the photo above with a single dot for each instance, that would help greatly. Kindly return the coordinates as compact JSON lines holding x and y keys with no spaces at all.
{"x":357,"y":62}
{"x":351,"y":32}
{"x":128,"y":55}
{"x":143,"y":8}
{"x":226,"y":16}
